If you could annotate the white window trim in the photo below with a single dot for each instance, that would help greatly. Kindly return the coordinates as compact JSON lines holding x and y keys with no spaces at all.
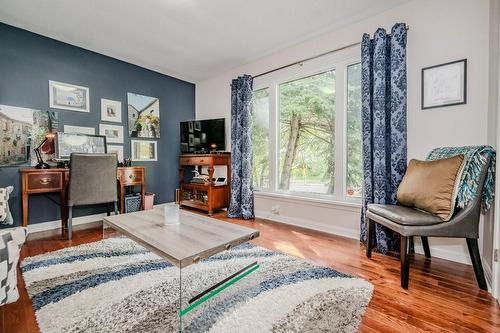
{"x":337,"y":61}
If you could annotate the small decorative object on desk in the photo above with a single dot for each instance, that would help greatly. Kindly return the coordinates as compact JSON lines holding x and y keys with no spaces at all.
{"x":172,"y":213}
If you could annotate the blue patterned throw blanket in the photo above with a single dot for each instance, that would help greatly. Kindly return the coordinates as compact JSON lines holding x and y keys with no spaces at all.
{"x":475,"y":158}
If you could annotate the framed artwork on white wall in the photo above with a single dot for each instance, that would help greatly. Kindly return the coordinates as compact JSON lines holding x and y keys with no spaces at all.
{"x":444,"y":84}
{"x":111,"y":110}
{"x":68,"y":96}
{"x":113,"y":133}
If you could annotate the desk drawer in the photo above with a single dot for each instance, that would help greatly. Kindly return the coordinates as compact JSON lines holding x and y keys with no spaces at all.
{"x":193,"y":160}
{"x":133,"y":176}
{"x":44,"y":181}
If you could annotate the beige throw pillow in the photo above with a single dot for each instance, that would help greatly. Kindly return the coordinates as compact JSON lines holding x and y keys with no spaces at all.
{"x":432,"y":185}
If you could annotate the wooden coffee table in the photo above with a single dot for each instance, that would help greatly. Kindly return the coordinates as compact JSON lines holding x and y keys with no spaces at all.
{"x":196,"y":237}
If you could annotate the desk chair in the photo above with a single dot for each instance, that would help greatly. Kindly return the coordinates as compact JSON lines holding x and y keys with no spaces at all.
{"x":92,"y":182}
{"x":409,"y":222}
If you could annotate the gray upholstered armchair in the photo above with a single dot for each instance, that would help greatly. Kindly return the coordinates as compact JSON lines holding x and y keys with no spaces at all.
{"x":410,"y":222}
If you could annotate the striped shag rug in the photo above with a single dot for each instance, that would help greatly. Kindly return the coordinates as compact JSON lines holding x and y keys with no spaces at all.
{"x":115,"y":285}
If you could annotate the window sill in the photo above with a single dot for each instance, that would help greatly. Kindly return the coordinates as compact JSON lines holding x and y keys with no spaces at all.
{"x":311,"y":201}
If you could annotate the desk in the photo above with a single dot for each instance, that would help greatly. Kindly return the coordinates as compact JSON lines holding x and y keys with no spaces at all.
{"x":56,"y":181}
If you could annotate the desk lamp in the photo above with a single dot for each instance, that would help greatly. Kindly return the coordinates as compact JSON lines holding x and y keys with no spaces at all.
{"x":46,"y":147}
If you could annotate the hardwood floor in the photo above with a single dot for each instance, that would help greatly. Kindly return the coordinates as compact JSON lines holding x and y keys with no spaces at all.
{"x":443,"y":296}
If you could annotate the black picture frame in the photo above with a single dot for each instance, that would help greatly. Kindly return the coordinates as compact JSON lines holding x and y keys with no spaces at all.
{"x":464,"y":101}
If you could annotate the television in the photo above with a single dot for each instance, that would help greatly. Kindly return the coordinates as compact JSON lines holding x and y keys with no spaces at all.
{"x":67,"y":143}
{"x":203,"y":136}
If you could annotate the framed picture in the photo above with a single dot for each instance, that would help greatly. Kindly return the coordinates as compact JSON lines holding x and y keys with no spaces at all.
{"x":143,"y":116}
{"x":79,"y":129}
{"x":191,"y":127}
{"x":118,"y":150}
{"x":68,"y":97}
{"x":67,"y":143}
{"x":444,"y":84}
{"x":144,"y":150}
{"x":111,"y":110}
{"x":113,"y":133}
{"x":21,"y":131}
{"x":191,"y":139}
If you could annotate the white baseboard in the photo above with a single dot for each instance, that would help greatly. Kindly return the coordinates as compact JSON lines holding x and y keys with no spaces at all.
{"x":308,"y":224}
{"x":445,"y":254}
{"x":51,"y":225}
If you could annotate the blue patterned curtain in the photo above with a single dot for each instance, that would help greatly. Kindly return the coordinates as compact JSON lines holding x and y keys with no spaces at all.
{"x":241,"y":204}
{"x":383,"y":81}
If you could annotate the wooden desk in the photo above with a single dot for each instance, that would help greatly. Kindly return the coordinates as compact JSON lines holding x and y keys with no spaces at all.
{"x":56,"y":181}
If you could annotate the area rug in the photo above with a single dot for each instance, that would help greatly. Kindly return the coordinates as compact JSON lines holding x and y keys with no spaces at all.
{"x":116,"y":285}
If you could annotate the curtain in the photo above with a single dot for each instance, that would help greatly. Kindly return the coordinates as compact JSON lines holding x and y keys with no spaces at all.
{"x":383,"y":82}
{"x":241,"y":204}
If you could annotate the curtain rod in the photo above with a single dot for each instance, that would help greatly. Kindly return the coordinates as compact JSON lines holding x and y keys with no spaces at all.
{"x":311,"y":58}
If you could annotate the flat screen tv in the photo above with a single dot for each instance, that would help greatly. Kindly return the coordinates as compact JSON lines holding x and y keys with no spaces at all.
{"x":203,"y":136}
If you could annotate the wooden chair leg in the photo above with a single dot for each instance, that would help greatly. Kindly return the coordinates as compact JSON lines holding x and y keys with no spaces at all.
{"x":411,"y":247}
{"x":405,"y":263}
{"x":425,"y":244}
{"x":370,"y":233}
{"x":476,"y":262}
{"x":70,"y":222}
{"x":108,"y":210}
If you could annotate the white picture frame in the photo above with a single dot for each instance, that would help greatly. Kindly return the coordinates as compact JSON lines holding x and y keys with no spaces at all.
{"x":116,"y":149}
{"x":79,"y":129}
{"x":144,"y":150}
{"x":444,"y":84}
{"x":111,"y":110}
{"x":113,"y":133}
{"x":68,"y":96}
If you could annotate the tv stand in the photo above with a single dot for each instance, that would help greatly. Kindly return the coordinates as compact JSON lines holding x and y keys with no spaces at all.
{"x":208,"y":196}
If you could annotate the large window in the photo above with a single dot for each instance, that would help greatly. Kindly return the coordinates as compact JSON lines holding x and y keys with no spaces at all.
{"x":307,"y":134}
{"x":307,"y":130}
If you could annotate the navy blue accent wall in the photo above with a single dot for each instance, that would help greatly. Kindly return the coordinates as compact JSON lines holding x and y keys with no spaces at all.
{"x":28,"y":61}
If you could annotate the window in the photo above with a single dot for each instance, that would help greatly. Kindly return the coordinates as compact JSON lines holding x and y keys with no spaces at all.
{"x":307,"y":134}
{"x":260,"y":138}
{"x":307,"y":129}
{"x":354,"y":174}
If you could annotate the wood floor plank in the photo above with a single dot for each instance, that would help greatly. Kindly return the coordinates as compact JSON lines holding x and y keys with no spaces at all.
{"x":443,"y":296}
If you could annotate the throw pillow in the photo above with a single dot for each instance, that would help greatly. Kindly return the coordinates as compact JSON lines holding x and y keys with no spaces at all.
{"x":11,"y":241}
{"x":432,"y":185}
{"x":5,"y":215}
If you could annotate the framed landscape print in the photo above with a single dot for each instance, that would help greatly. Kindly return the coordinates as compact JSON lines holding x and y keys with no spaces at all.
{"x":118,"y":150}
{"x":144,"y":150}
{"x":111,"y":110}
{"x":68,"y":97}
{"x":444,"y":84}
{"x":21,"y":131}
{"x":113,"y":133}
{"x":143,"y":116}
{"x":79,"y":129}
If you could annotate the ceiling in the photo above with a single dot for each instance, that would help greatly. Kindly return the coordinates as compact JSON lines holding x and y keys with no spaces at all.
{"x":189,"y":39}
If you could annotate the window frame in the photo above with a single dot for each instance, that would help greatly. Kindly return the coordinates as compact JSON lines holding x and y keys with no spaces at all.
{"x":337,"y":61}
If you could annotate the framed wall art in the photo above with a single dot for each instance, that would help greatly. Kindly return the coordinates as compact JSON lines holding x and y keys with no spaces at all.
{"x":111,"y":110}
{"x":68,"y":97}
{"x":143,"y":150}
{"x":444,"y":84}
{"x":143,"y":116}
{"x":79,"y":129}
{"x":118,"y":150}
{"x":113,"y":133}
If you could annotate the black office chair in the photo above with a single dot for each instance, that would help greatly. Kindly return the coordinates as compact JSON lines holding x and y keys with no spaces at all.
{"x":92,"y":182}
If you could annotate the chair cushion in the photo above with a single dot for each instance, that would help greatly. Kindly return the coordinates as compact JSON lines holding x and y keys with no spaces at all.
{"x":404,"y":215}
{"x":11,"y":241}
{"x":432,"y":185}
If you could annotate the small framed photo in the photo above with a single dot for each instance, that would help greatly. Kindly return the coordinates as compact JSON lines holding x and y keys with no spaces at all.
{"x":144,"y":150}
{"x":68,"y":97}
{"x":111,"y":110}
{"x":191,"y":140}
{"x":113,"y":133}
{"x":444,"y":84}
{"x":197,"y":125}
{"x":191,"y":127}
{"x":118,"y":150}
{"x":79,"y":129}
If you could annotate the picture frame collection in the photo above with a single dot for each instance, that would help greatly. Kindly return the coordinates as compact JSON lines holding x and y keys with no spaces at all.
{"x":143,"y":119}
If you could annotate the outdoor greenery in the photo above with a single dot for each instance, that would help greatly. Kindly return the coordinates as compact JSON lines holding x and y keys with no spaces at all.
{"x":307,"y":134}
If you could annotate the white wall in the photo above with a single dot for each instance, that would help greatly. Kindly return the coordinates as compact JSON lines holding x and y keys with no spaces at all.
{"x":440,"y":31}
